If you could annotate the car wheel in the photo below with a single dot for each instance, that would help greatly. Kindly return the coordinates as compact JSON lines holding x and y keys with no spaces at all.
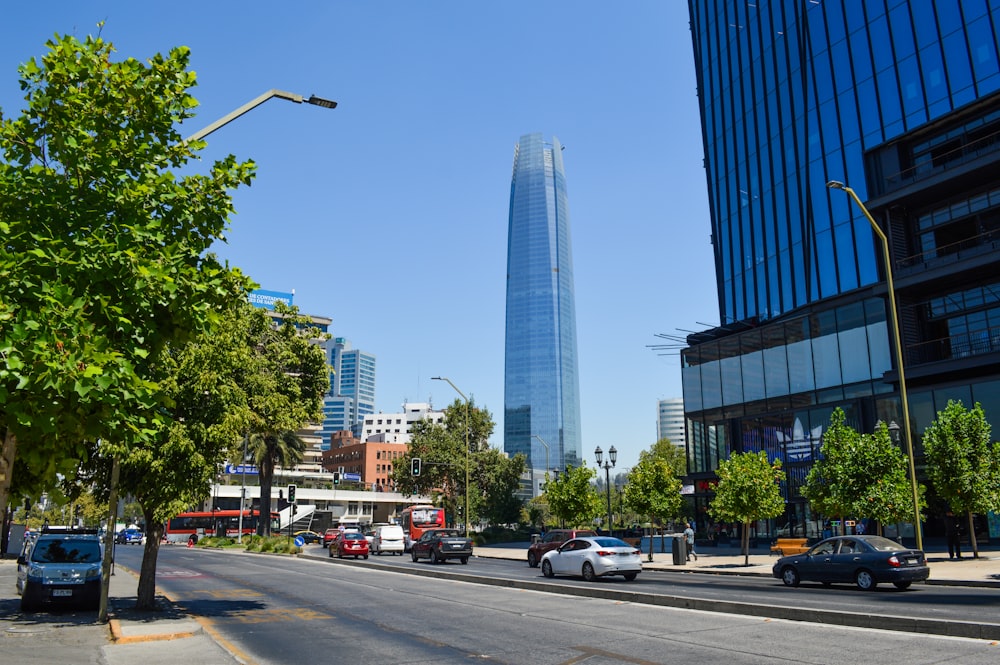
{"x":865,"y":580}
{"x":434,"y":557}
{"x":588,"y":571}
{"x":28,"y":603}
{"x":790,"y":576}
{"x":902,"y":585}
{"x":465,"y":560}
{"x":414,"y":555}
{"x":547,"y":569}
{"x":532,"y":560}
{"x":630,"y":576}
{"x":366,"y":556}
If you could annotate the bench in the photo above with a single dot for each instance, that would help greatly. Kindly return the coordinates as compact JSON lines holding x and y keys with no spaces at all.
{"x":787,"y":546}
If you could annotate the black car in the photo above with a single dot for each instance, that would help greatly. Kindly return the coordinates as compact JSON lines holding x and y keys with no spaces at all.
{"x":439,"y":545}
{"x":864,"y":560}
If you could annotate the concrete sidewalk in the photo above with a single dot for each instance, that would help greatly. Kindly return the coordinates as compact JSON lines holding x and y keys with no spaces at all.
{"x":984,"y":571}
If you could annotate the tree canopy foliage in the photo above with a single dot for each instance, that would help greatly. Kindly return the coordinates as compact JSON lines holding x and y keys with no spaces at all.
{"x":963,"y":465}
{"x":748,"y":490}
{"x":441,"y":447}
{"x":860,"y":475}
{"x":572,"y":497}
{"x":105,"y":262}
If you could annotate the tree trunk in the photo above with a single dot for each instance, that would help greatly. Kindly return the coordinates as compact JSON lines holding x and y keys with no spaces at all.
{"x":109,"y":543}
{"x":745,"y":540}
{"x":146,"y":593}
{"x":7,"y":454}
{"x":972,"y":536}
{"x":264,"y":518}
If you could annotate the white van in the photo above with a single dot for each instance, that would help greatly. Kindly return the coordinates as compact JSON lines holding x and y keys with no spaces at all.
{"x":388,"y":538}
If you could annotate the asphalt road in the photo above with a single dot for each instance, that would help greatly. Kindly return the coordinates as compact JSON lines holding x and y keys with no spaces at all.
{"x":269,"y":609}
{"x":957,"y":603}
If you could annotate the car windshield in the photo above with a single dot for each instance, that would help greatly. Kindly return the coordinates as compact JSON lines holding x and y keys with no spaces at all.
{"x":353,"y":536}
{"x":67,"y":551}
{"x":884,"y":544}
{"x":611,"y":542}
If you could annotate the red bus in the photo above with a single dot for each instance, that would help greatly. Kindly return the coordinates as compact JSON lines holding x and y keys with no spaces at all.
{"x":417,"y":519}
{"x":209,"y":522}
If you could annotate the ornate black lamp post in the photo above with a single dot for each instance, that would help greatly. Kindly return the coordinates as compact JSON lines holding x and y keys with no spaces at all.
{"x":608,"y":465}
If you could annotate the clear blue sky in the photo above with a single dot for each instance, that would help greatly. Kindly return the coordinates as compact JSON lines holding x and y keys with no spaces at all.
{"x":389,"y":213}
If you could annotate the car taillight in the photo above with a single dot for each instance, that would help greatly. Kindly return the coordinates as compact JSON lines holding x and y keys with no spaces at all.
{"x":893,"y":561}
{"x":604,"y":553}
{"x":637,"y":552}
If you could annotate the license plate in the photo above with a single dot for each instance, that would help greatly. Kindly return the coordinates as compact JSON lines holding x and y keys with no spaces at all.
{"x":62,"y":592}
{"x":911,"y":562}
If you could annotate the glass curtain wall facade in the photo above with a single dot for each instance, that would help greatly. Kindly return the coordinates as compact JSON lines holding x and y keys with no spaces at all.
{"x":541,"y":375}
{"x":352,"y":389}
{"x":900,"y":100}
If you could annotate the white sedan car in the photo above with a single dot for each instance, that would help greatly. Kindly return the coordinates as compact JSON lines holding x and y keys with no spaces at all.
{"x":593,"y":557}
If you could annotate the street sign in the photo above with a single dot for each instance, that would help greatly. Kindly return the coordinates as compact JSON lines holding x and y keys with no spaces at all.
{"x":352,"y":477}
{"x":249,"y":469}
{"x":299,"y":541}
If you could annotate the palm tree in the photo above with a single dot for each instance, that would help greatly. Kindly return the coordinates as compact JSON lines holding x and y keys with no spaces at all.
{"x":268,"y":451}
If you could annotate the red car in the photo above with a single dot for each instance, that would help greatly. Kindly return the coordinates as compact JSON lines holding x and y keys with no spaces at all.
{"x":348,"y":544}
{"x":329,"y":536}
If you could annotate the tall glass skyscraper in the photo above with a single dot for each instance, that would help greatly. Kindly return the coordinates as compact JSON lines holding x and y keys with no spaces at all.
{"x":541,"y":389}
{"x":900,"y":100}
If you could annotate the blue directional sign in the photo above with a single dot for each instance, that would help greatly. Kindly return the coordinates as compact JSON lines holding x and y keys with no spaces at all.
{"x":249,"y":469}
{"x":353,"y":477}
{"x":299,"y":541}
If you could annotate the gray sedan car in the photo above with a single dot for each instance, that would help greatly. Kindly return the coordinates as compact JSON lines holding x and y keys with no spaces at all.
{"x":864,"y":560}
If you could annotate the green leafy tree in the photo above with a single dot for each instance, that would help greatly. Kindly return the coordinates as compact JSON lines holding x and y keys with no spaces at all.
{"x":823,"y":486}
{"x":748,"y":490}
{"x":270,"y":450}
{"x":105,"y":261}
{"x":497,"y":478}
{"x":285,"y":383}
{"x":441,"y":449}
{"x":860,"y":475}
{"x":573,"y":498}
{"x":653,"y":490}
{"x":669,"y":452}
{"x":963,"y":464}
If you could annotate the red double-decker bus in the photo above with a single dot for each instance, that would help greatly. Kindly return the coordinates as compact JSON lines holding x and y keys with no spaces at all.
{"x":180,"y":529}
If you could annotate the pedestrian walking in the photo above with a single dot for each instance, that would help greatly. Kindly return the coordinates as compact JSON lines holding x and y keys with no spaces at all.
{"x":689,"y":539}
{"x":953,"y":533}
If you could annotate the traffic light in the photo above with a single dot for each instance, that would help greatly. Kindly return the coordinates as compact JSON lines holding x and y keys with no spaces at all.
{"x":291,"y":494}
{"x":415,"y":466}
{"x":336,"y":477}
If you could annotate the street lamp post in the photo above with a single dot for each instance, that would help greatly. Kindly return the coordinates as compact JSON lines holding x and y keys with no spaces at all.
{"x":542,"y":441}
{"x":608,"y":465}
{"x":254,"y":103}
{"x":442,"y":378}
{"x":833,"y":184}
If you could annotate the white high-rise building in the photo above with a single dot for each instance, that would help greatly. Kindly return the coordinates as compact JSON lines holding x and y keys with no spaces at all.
{"x":670,"y":420}
{"x":396,"y":427}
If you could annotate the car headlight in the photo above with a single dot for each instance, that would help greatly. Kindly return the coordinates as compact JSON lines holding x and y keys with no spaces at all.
{"x":34,"y":573}
{"x":93,"y":573}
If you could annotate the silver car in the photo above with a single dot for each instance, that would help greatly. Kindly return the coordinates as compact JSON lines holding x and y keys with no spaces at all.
{"x":593,"y":557}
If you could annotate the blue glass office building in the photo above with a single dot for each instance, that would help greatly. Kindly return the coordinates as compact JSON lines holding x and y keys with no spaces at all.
{"x":352,"y":389}
{"x":541,"y":376}
{"x":901,"y":101}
